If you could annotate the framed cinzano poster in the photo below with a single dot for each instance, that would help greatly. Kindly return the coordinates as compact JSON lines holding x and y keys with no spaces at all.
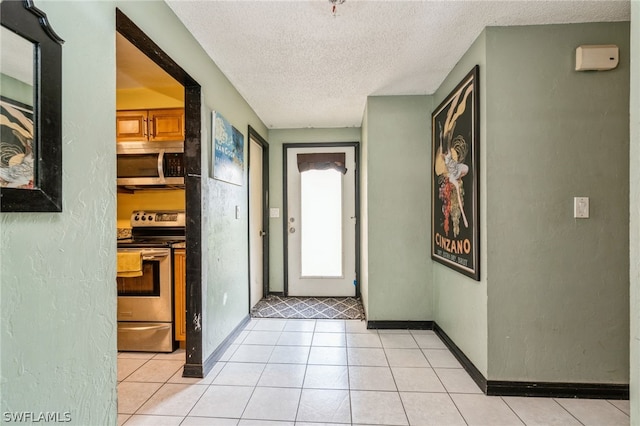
{"x":455,"y":225}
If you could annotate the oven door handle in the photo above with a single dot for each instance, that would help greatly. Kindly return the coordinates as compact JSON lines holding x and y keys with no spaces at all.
{"x":154,"y":257}
{"x":148,"y":327}
{"x":158,"y":254}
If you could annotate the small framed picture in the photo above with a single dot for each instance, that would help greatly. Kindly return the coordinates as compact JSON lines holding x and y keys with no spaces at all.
{"x":228,"y":151}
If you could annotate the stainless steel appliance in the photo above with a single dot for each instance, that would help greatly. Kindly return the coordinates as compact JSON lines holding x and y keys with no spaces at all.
{"x":145,"y":302}
{"x":149,"y":164}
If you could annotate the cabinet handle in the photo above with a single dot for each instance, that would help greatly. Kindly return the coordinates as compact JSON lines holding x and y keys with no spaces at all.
{"x":144,"y":127}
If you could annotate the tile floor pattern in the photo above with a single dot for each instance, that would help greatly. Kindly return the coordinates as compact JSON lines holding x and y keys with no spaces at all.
{"x":333,"y":372}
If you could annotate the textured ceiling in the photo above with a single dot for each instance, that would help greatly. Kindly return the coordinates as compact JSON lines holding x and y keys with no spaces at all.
{"x":299,"y":66}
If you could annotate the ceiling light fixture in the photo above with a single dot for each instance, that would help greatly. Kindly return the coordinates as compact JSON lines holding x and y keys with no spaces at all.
{"x":334,"y":5}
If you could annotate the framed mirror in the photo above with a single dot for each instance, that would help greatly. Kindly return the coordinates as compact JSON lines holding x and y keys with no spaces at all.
{"x":30,"y":110}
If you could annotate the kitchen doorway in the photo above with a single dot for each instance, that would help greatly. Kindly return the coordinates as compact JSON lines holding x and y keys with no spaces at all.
{"x":321,"y":233}
{"x":258,"y":218}
{"x":192,"y":164}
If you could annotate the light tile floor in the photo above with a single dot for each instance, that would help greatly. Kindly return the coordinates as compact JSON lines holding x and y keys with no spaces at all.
{"x":318,"y":372}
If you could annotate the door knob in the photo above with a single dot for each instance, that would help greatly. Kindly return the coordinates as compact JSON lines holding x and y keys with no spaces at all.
{"x":263,"y":233}
{"x":292,"y":230}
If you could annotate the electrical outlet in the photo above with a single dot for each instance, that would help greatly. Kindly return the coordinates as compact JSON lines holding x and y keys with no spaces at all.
{"x":581,"y":207}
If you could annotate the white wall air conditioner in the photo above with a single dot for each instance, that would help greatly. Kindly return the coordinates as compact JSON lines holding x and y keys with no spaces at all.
{"x":597,"y":57}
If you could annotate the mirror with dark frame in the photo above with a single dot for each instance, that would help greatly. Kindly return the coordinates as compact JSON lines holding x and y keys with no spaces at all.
{"x":30,"y":110}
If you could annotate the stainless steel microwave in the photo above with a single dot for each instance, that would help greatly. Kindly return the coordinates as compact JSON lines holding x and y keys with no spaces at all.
{"x":150,"y":164}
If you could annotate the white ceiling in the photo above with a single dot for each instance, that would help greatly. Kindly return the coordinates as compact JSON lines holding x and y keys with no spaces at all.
{"x":299,"y":66}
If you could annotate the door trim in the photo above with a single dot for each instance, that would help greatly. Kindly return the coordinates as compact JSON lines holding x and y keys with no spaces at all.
{"x":285,"y":201}
{"x":194,"y":363}
{"x":253,"y":134}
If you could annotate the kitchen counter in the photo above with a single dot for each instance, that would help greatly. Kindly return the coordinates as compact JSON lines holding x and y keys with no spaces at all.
{"x":123,"y":233}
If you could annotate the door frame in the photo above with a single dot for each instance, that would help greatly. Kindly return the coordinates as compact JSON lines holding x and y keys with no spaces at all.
{"x":285,"y":201}
{"x":194,"y":365}
{"x":253,"y":134}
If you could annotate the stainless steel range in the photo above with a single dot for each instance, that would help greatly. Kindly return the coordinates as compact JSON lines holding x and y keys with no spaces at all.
{"x":145,"y":281}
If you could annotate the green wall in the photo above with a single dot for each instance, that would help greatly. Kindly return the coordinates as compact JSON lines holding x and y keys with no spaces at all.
{"x":56,"y":284}
{"x":224,"y":238}
{"x":460,"y":303}
{"x":364,"y":213}
{"x":16,"y":90}
{"x":634,"y":231}
{"x":551,"y":304}
{"x":57,"y":270}
{"x":554,"y":282}
{"x":398,"y":181}
{"x":276,"y":138}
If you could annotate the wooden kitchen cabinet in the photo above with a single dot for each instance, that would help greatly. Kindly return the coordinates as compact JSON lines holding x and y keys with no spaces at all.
{"x":153,"y":125}
{"x":166,"y":125}
{"x":131,"y":126}
{"x":180,"y":274}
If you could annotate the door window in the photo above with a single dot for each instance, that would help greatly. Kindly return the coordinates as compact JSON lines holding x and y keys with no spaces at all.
{"x":321,"y":223}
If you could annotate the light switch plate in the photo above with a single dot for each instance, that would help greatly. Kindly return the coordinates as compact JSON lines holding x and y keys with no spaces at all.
{"x":274,"y":212}
{"x":581,"y":207}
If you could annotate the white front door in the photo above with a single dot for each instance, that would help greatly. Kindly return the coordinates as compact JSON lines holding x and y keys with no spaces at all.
{"x":256,"y":233}
{"x":321,"y":226}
